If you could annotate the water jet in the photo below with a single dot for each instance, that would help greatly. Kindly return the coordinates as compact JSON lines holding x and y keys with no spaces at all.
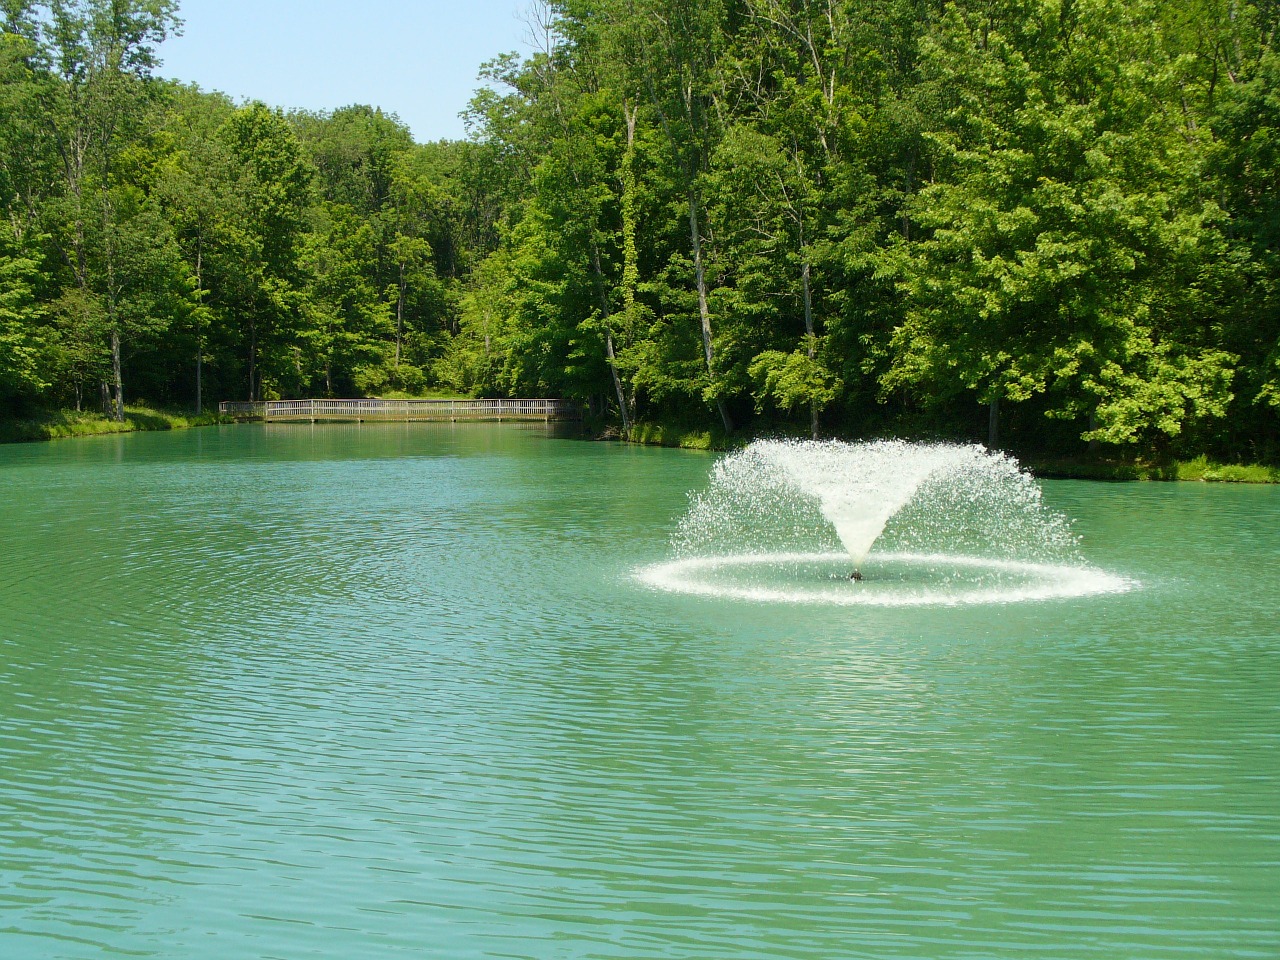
{"x":919,"y":523}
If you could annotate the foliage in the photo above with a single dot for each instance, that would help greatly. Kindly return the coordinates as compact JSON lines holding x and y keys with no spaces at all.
{"x":874,"y":218}
{"x":64,"y":424}
{"x":19,"y":320}
{"x":793,"y":380}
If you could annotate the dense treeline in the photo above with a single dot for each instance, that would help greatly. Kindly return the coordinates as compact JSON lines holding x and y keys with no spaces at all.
{"x":160,"y":242}
{"x":1058,"y":219}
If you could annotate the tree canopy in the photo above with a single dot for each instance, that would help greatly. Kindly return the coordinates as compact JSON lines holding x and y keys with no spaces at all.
{"x":1061,"y":217}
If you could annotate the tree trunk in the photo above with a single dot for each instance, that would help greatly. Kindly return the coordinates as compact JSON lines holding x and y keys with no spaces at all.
{"x":617,"y":383}
{"x":253,"y":358}
{"x":630,"y":255}
{"x":199,"y":328}
{"x":704,"y":311}
{"x":993,"y":423}
{"x":117,"y":375}
{"x":808,"y":329}
{"x":113,"y":289}
{"x":690,"y":169}
{"x":608,"y":339}
{"x":602,"y":292}
{"x":400,"y":320}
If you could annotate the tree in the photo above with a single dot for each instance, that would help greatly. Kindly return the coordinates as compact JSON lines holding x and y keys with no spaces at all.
{"x":1246,"y":162}
{"x":417,"y":210}
{"x":275,"y":183}
{"x":91,"y":62}
{"x":20,"y":374}
{"x":671,"y":48}
{"x":1062,"y":254}
{"x":198,"y":185}
{"x":347,"y":319}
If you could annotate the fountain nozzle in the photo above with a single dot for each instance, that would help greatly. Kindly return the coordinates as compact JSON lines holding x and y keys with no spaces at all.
{"x":856,"y":576}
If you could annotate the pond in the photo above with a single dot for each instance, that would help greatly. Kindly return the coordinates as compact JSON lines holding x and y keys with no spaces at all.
{"x":398,"y":690}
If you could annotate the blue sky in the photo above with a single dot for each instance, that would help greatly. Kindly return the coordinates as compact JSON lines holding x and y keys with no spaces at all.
{"x":414,"y":58}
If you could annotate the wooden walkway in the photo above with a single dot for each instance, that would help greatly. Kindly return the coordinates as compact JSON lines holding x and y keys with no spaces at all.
{"x":361,"y":410}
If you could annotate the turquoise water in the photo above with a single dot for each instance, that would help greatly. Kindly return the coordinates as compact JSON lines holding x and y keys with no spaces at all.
{"x":394,"y":690}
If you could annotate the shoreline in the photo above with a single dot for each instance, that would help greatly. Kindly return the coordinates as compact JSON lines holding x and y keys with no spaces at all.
{"x":51,"y":425}
{"x":70,"y":424}
{"x":1116,"y":470}
{"x":1113,"y":469}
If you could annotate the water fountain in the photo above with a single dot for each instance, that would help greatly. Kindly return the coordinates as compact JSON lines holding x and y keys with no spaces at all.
{"x":797,"y":521}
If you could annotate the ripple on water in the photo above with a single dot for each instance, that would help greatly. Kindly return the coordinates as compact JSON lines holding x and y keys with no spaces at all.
{"x":354,"y":713}
{"x":891,"y":579}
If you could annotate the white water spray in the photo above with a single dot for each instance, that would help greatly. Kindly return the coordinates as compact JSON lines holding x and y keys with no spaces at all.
{"x":948,"y":523}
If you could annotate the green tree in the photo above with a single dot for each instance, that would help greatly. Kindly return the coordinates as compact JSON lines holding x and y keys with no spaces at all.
{"x":20,"y":315}
{"x":1063,"y":254}
{"x":348,"y":321}
{"x":198,"y":184}
{"x":91,"y":63}
{"x":275,"y":184}
{"x":1247,"y":164}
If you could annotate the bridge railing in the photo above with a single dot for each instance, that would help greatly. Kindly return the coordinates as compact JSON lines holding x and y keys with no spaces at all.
{"x":466,"y":409}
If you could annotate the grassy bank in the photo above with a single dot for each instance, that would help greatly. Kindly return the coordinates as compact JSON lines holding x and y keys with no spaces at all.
{"x":1119,"y":469}
{"x":669,"y":435}
{"x":1070,"y":468}
{"x":57,"y":424}
{"x":700,"y":436}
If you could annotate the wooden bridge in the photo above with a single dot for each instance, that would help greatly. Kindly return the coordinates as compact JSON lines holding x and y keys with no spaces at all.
{"x":361,"y":410}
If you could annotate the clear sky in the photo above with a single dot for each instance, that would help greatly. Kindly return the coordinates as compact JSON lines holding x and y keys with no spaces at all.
{"x":415,"y":58}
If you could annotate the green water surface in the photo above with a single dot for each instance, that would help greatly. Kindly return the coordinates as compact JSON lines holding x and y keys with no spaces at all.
{"x":393,"y":691}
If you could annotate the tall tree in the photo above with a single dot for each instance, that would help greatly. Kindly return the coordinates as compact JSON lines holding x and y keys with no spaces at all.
{"x":92,"y":61}
{"x":1060,"y":253}
{"x":20,"y":374}
{"x":276,"y":185}
{"x":198,"y":184}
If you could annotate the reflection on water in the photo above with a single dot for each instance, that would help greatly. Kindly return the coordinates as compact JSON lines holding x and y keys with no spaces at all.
{"x":392,"y":690}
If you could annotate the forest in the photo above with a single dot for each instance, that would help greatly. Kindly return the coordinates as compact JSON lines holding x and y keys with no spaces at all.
{"x":1051,"y":224}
